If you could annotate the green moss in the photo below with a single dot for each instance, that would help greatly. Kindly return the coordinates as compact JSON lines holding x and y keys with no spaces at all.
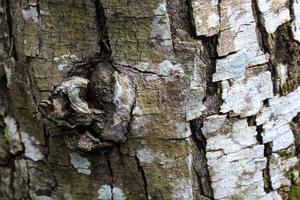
{"x":286,"y":88}
{"x":6,"y":134}
{"x":294,"y":193}
{"x":285,"y":154}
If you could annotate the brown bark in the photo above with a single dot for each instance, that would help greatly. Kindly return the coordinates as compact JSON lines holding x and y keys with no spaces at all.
{"x":148,"y":99}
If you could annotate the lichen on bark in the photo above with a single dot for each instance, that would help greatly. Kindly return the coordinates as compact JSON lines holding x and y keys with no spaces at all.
{"x":149,"y":99}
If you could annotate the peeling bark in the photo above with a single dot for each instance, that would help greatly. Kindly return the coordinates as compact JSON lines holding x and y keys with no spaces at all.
{"x":149,"y":99}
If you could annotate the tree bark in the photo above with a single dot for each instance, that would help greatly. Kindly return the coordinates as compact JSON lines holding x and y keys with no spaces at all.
{"x":149,"y":99}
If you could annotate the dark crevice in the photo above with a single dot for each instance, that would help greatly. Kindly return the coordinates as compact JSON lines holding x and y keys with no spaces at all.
{"x":259,"y":130}
{"x":267,"y":154}
{"x":11,"y":159}
{"x":260,"y":28}
{"x":12,"y":51}
{"x":251,"y":120}
{"x":264,"y":39}
{"x":295,"y":126}
{"x":131,"y":116}
{"x":201,"y":188}
{"x":31,"y":83}
{"x":105,"y":50}
{"x":266,"y":172}
{"x":291,"y":8}
{"x":213,"y":98}
{"x":172,"y":139}
{"x":39,"y":35}
{"x":139,"y":71}
{"x":180,"y":18}
{"x":143,"y":175}
{"x":28,"y":181}
{"x":293,"y":18}
{"x":202,"y":168}
{"x":12,"y":179}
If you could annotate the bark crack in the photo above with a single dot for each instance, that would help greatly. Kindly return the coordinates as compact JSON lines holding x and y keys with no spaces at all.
{"x":143,"y":175}
{"x":267,"y":153}
{"x":200,"y":143}
{"x":140,"y":71}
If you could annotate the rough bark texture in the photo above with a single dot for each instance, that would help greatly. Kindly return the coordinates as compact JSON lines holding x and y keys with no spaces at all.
{"x":149,"y":99}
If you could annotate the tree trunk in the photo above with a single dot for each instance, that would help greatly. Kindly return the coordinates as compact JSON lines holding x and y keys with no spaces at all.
{"x":149,"y":99}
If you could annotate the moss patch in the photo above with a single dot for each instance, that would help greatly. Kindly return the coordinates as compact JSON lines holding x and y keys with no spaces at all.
{"x":6,"y":134}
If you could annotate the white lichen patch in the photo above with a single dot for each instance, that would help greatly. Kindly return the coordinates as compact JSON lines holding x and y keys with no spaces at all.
{"x":182,"y":189}
{"x":235,"y":159}
{"x":106,"y":192}
{"x":274,"y":13}
{"x":275,"y":119}
{"x":296,"y":23}
{"x":65,"y":61}
{"x":7,"y":71}
{"x":12,"y":128}
{"x":281,"y":70}
{"x":31,"y":14}
{"x":164,"y":69}
{"x":145,"y":155}
{"x":13,"y":135}
{"x":72,"y":88}
{"x":239,"y":39}
{"x":31,"y":149}
{"x":245,"y":97}
{"x":205,"y":17}
{"x":80,"y":163}
{"x":118,"y":194}
{"x":167,"y":68}
{"x":142,"y":66}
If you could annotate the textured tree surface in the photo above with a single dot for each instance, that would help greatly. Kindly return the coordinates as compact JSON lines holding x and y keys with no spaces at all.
{"x":149,"y":99}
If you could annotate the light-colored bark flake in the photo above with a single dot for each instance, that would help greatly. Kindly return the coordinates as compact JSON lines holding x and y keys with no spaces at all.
{"x":106,"y":192}
{"x":14,"y":136}
{"x":245,"y":97}
{"x":275,"y":119}
{"x":145,"y":155}
{"x":205,"y":17}
{"x":72,"y":89}
{"x":235,"y":159}
{"x":80,"y":163}
{"x":31,"y":14}
{"x":274,"y":13}
{"x":282,"y":74}
{"x":65,"y":61}
{"x":238,"y":41}
{"x":31,"y":150}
